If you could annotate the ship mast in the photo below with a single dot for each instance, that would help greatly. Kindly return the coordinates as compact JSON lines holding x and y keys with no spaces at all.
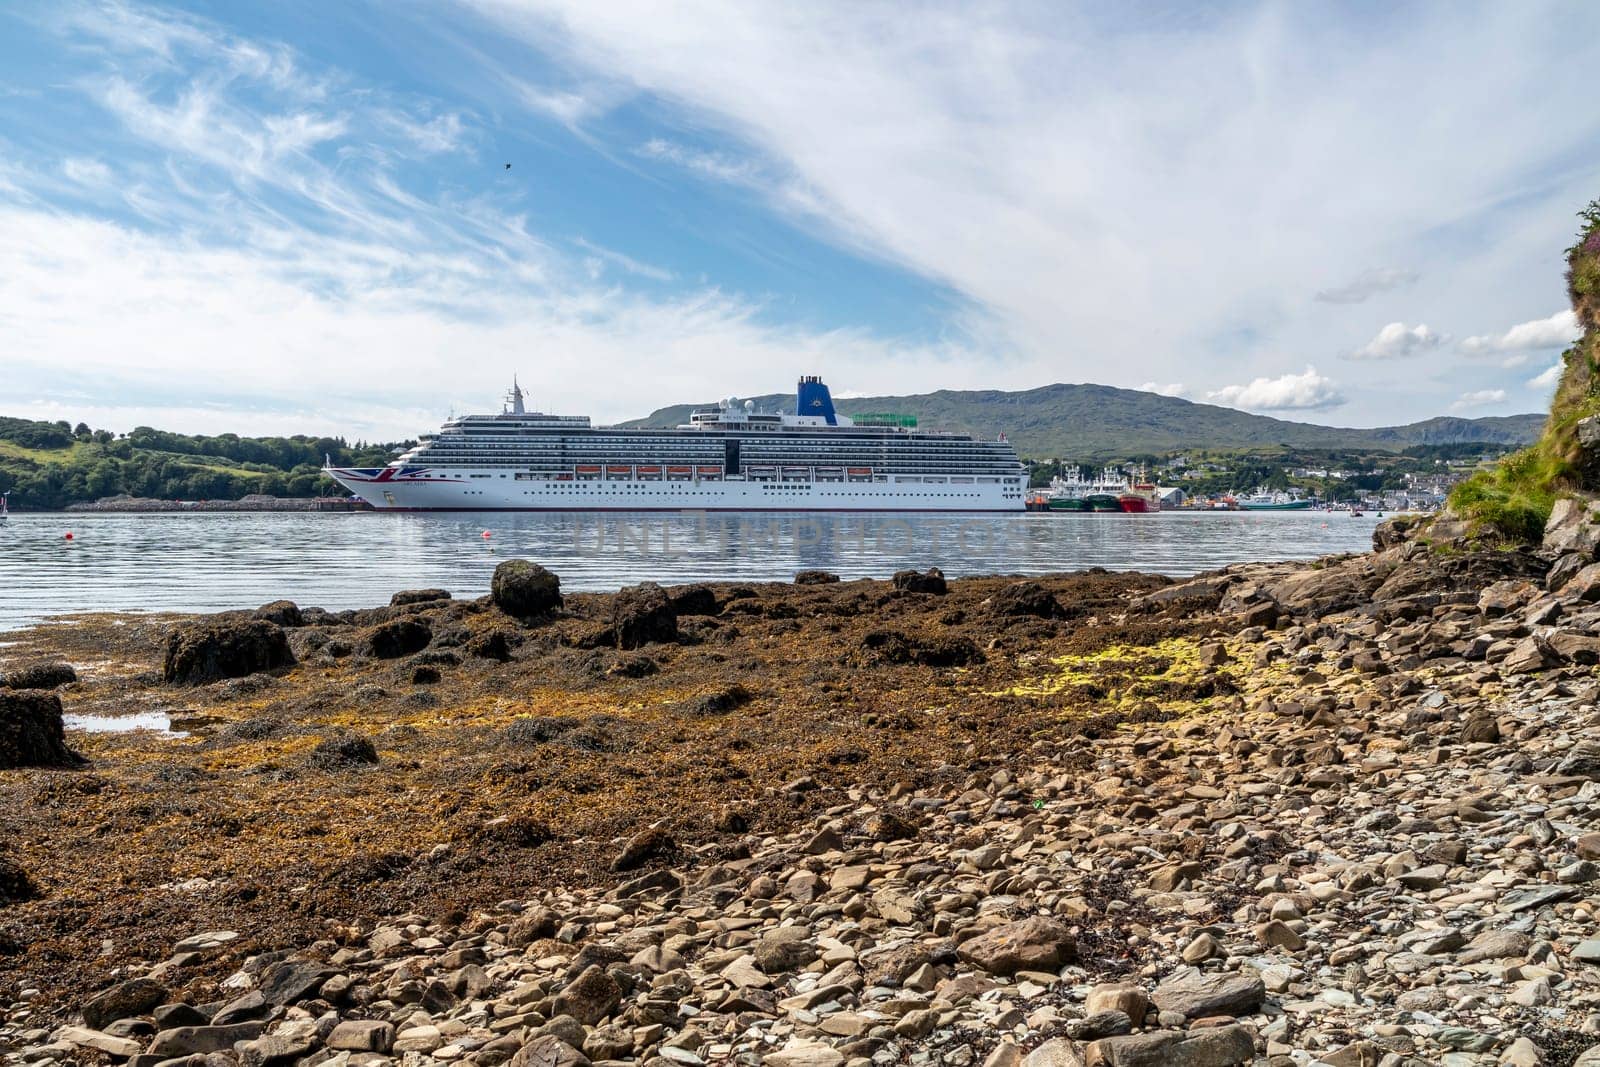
{"x":514,"y":399}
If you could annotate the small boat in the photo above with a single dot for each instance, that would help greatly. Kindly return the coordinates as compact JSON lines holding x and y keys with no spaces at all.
{"x":708,"y":472}
{"x":619,"y":472}
{"x":1265,"y":501}
{"x":678,"y":473}
{"x":649,"y":474}
{"x":859,"y":473}
{"x":796,"y":474}
{"x":1356,"y":513}
{"x":588,"y":470}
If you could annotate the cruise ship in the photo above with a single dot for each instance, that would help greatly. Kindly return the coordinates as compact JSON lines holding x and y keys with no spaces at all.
{"x":730,"y":457}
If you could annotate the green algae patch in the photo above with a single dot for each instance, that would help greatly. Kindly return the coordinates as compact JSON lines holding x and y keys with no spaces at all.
{"x":1121,"y":676}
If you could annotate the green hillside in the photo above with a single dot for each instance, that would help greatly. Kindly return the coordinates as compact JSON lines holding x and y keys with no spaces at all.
{"x":53,"y":464}
{"x":1095,"y":422}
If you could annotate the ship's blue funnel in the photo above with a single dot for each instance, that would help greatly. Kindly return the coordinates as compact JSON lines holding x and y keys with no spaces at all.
{"x":814,"y":399}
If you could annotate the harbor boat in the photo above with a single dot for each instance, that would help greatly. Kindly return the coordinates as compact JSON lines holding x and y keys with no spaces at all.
{"x":1103,"y":502}
{"x":1140,"y":498}
{"x":728,"y":457}
{"x":1066,"y":503}
{"x":1280,"y":501}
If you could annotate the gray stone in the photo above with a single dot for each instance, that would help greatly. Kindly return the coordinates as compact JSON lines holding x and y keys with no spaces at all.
{"x":1195,"y":994}
{"x":1037,"y":943}
{"x":137,"y":996}
{"x":198,"y":1040}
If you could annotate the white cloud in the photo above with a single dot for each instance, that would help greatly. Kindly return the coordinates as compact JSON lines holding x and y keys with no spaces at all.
{"x":1368,"y":283}
{"x":89,"y":172}
{"x":1073,"y":174}
{"x":1397,"y":340}
{"x":1291,"y":392}
{"x":1168,"y":389}
{"x":1547,"y":378}
{"x":1479,"y":398}
{"x":1557,"y":331}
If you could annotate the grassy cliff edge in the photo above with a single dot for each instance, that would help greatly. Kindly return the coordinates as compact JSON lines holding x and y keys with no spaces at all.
{"x":1512,"y":501}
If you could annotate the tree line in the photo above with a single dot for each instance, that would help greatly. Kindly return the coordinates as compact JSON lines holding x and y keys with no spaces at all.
{"x":54,"y":464}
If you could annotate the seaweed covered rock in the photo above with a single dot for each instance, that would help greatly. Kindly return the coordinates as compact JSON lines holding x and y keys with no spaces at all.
{"x":1026,"y":599}
{"x":491,"y":645}
{"x":642,"y":614}
{"x":31,"y":732}
{"x":282,"y":612}
{"x":525,"y":590}
{"x":16,"y":885}
{"x":929,"y":581}
{"x":343,"y":753}
{"x":396,"y":638}
{"x":407,"y":597}
{"x":815,"y":578}
{"x":693,"y":600}
{"x":40,"y":676}
{"x":210,"y":651}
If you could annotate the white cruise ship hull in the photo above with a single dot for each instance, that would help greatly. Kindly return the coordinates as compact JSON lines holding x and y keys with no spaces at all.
{"x":499,"y":490}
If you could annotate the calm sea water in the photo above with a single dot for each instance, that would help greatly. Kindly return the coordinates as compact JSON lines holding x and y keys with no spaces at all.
{"x":213,"y":562}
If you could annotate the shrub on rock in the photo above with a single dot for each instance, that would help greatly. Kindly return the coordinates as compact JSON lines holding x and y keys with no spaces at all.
{"x":40,"y":676}
{"x":642,"y":614}
{"x":210,"y":651}
{"x":31,"y":732}
{"x":525,"y":590}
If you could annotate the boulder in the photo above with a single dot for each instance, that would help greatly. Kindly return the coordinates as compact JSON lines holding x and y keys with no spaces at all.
{"x":693,"y":600}
{"x":396,"y":638}
{"x":281,"y":612}
{"x":590,"y":997}
{"x":1026,"y":599}
{"x":40,"y":676}
{"x":203,"y":652}
{"x":1034,"y":944}
{"x":548,"y":1050}
{"x":1573,"y":527}
{"x":418,"y":596}
{"x":931,"y":581}
{"x":362,"y":1035}
{"x":343,"y":753}
{"x":199,"y":1040}
{"x":1222,"y":1046}
{"x":492,"y":645}
{"x":16,"y":885}
{"x":525,"y":590}
{"x":31,"y":731}
{"x":125,"y":1000}
{"x":815,"y":578}
{"x":642,"y":614}
{"x":1505,"y":596}
{"x":1196,"y":994}
{"x":643,"y":847}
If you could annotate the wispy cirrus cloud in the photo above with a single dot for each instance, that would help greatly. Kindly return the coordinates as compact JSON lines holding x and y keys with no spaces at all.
{"x":1367,"y":284}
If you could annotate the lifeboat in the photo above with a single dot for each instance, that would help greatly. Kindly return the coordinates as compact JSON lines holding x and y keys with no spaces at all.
{"x":588,"y":470}
{"x":563,"y":477}
{"x":761,"y":471}
{"x":859,"y":473}
{"x":677,"y":473}
{"x":796,"y":474}
{"x":618,"y":471}
{"x":650,"y":473}
{"x":708,"y":472}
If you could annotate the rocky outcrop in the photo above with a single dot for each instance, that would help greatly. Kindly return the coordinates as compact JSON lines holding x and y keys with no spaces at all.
{"x":31,"y":731}
{"x":930,"y":581}
{"x":525,"y":590}
{"x":396,"y":638}
{"x":225,"y":648}
{"x":48,"y":675}
{"x":642,"y":614}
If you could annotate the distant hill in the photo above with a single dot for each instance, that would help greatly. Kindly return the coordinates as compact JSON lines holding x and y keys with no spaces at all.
{"x":1100,"y":422}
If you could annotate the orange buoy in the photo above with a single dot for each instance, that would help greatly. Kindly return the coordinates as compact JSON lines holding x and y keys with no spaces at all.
{"x":69,"y":535}
{"x":487,"y":535}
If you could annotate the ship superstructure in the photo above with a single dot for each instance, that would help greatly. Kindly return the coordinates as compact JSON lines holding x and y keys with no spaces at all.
{"x":727,"y":457}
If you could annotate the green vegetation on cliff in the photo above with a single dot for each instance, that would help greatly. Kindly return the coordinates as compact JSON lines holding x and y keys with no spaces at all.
{"x":1512,"y":501}
{"x":53,"y":464}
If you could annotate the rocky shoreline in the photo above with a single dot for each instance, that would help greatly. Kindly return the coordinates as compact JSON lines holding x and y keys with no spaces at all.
{"x":1342,"y":813}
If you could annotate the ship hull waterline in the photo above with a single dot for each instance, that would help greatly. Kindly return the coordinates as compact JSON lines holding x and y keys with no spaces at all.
{"x":469,"y":494}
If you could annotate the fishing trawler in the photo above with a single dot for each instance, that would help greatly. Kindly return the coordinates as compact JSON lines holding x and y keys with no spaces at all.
{"x":729,"y":457}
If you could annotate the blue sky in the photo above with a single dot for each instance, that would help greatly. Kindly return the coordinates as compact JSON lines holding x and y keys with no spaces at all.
{"x":297,"y":217}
